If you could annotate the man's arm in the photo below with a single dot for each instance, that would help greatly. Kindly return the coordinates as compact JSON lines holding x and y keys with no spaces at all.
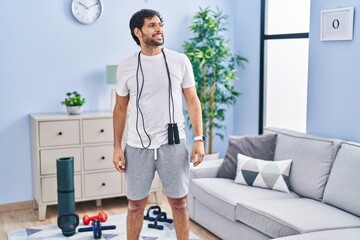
{"x":119,"y":121}
{"x":194,"y":110}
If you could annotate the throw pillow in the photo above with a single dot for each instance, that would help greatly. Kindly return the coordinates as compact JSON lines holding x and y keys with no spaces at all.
{"x":265,"y":174}
{"x":260,"y":146}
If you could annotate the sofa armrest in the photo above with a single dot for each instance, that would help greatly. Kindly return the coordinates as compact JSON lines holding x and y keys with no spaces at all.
{"x":207,"y":169}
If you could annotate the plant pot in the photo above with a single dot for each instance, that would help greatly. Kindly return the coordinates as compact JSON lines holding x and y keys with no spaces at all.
{"x":212,"y":156}
{"x":74,"y":110}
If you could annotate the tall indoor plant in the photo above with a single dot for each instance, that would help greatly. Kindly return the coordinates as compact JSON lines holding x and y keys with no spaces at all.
{"x":214,"y":68}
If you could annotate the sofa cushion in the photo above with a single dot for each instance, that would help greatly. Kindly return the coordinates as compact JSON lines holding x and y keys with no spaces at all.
{"x":222,"y":227}
{"x":285,"y":217}
{"x":312,"y":160}
{"x":343,"y":187}
{"x":338,"y":234}
{"x":265,"y":174}
{"x":262,"y":147}
{"x":222,"y":195}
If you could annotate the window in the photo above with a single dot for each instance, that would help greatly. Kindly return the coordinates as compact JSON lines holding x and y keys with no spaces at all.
{"x":284,"y":64}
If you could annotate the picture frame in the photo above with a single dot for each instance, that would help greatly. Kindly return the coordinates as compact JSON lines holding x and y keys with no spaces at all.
{"x":337,"y":24}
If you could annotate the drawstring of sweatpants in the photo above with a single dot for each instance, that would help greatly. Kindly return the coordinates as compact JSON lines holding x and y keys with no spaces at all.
{"x":155,"y":153}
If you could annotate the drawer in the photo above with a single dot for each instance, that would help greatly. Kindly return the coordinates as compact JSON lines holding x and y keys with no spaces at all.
{"x":56,"y":133}
{"x":48,"y":159}
{"x":98,"y":130}
{"x":49,"y":188}
{"x":99,"y":157}
{"x":102,"y":184}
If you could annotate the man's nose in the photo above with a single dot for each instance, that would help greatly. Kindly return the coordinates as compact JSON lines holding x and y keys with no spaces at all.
{"x":158,"y":28}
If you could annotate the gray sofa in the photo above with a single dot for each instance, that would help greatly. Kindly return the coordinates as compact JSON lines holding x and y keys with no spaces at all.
{"x":323,"y":203}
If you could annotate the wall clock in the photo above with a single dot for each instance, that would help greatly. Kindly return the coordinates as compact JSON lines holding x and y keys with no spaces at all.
{"x":87,"y":11}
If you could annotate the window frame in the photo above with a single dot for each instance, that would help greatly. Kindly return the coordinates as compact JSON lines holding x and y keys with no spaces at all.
{"x":263,"y":38}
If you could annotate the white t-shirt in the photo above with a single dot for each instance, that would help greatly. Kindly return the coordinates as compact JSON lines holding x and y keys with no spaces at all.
{"x":154,"y":100}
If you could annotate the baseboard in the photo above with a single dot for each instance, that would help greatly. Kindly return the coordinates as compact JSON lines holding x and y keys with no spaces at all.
{"x":29,"y":204}
{"x":16,"y":206}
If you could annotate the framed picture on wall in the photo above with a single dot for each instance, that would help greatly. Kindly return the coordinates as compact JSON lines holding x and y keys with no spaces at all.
{"x":337,"y":24}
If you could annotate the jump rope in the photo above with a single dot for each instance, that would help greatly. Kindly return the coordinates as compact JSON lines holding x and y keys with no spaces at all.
{"x":173,"y":131}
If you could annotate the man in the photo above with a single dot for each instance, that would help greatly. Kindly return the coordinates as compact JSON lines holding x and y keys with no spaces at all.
{"x":153,"y":82}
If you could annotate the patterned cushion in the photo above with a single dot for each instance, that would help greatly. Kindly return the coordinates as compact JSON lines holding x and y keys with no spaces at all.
{"x":261,"y":146}
{"x":264,"y":174}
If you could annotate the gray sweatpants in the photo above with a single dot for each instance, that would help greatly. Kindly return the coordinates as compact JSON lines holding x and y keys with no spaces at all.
{"x":172,"y":162}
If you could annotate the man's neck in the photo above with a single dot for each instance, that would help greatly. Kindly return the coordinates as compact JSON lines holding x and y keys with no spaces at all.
{"x":150,"y":50}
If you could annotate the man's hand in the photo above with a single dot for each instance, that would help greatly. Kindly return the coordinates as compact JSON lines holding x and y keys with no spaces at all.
{"x":198,"y":153}
{"x":119,"y":159}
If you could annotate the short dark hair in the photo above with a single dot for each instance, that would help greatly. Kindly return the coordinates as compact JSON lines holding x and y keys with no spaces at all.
{"x":137,"y":20}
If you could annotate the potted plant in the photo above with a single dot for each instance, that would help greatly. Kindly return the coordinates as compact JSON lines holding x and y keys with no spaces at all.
{"x":74,"y":102}
{"x":214,"y":68}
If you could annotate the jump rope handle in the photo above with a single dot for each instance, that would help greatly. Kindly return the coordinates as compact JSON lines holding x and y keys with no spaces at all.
{"x":173,"y":134}
{"x":170,"y":134}
{"x":176,"y":134}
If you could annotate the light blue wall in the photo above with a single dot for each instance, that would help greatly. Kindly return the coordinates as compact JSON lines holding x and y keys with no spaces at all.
{"x":44,"y":53}
{"x":334,"y":78}
{"x":247,"y":38}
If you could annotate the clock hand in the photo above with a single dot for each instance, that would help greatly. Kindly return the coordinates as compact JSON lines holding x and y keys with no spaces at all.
{"x":83,"y":5}
{"x":94,"y":5}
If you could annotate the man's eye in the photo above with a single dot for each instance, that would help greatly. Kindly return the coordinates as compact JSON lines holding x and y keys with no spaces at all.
{"x":154,"y":24}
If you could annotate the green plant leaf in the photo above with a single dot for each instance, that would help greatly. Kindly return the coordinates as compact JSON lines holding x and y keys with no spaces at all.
{"x":73,"y":99}
{"x":213,"y":64}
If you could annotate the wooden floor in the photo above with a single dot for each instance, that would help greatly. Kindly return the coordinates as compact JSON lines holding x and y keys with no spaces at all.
{"x":29,"y":217}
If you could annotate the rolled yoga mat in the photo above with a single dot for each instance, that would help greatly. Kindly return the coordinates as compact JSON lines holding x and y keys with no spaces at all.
{"x":67,"y":220}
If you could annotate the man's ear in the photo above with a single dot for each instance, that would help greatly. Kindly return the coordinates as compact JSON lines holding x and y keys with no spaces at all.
{"x":137,"y":32}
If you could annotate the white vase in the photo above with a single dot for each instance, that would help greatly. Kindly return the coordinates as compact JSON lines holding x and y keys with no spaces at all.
{"x":74,"y":110}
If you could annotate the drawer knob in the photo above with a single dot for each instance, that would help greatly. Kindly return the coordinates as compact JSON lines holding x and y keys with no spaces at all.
{"x":59,"y":133}
{"x":102,"y":158}
{"x":103,"y":184}
{"x":102,"y":130}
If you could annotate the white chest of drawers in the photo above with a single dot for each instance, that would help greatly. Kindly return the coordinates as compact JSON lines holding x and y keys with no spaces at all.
{"x":89,"y":139}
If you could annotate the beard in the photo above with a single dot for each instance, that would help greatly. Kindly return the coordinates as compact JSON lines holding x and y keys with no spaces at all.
{"x":151,"y":40}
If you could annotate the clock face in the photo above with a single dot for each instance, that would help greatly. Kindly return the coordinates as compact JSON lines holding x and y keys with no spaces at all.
{"x":86,"y":11}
